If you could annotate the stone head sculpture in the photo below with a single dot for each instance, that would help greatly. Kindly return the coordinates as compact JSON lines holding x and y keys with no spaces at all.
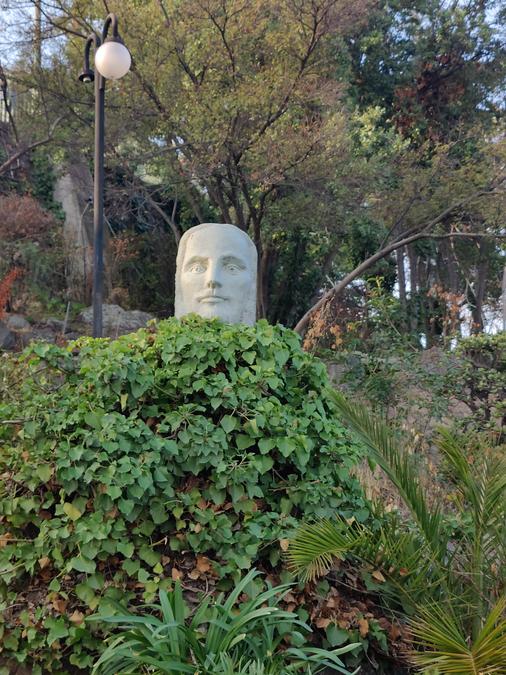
{"x":216,"y":271}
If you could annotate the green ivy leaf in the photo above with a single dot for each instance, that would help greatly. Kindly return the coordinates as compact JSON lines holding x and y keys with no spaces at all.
{"x":286,"y":446}
{"x":82,"y":564}
{"x":57,"y":629}
{"x":242,"y":441}
{"x":336,"y":636}
{"x":158,"y":513}
{"x":149,"y":555}
{"x":44,"y":472}
{"x":126,"y":548}
{"x":131,"y":566}
{"x":262,"y":463}
{"x":72,"y":512}
{"x":265,"y":445}
{"x":229,"y":423}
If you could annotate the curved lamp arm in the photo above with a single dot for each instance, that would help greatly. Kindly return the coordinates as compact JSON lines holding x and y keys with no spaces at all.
{"x":111,"y":21}
{"x":88,"y":74}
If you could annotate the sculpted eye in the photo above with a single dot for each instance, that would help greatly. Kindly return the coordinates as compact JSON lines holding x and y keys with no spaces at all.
{"x":231,"y":267}
{"x":196,"y":268}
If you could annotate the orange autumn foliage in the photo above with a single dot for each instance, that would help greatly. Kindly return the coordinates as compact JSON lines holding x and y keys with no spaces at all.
{"x":22,"y":217}
{"x":6,"y":286}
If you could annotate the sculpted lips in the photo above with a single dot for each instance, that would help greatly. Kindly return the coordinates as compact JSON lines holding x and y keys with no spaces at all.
{"x":211,"y":298}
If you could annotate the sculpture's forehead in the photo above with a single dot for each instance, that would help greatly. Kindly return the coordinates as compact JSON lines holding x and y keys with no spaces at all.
{"x":214,"y":242}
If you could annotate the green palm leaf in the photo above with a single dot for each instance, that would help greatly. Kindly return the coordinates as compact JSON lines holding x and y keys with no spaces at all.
{"x":315,"y":547}
{"x":399,"y":468}
{"x":447,"y":650}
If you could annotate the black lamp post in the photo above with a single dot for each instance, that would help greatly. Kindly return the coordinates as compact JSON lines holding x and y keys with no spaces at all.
{"x":112,"y":61}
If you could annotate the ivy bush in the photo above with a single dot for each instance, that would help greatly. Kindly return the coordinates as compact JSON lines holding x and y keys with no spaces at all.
{"x":118,"y":457}
{"x":479,"y":380}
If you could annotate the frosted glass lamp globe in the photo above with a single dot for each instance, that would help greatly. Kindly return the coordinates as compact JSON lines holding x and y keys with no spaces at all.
{"x":113,"y":60}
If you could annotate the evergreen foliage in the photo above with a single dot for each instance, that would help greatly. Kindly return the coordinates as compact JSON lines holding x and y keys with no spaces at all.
{"x":189,"y":436}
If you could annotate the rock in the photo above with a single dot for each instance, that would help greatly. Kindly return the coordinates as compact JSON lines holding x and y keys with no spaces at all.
{"x":116,"y":320}
{"x":45,"y":334}
{"x":18,"y":323}
{"x":7,"y":337}
{"x":55,"y":324}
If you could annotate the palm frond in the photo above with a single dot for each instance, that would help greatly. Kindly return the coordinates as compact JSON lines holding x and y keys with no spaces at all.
{"x":399,"y":468}
{"x":404,"y":560}
{"x":482,"y":485}
{"x":446,"y":645}
{"x":317,"y":545}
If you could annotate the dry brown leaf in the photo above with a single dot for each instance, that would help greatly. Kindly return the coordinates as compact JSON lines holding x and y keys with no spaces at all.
{"x":176,"y":574}
{"x":363,"y":627}
{"x":378,"y":576}
{"x":194,"y":575}
{"x":60,"y":605}
{"x":46,"y":574}
{"x":4,"y":539}
{"x":322,"y":623}
{"x":284,"y":544}
{"x":44,"y":562}
{"x":203,"y":565}
{"x":76,"y":617}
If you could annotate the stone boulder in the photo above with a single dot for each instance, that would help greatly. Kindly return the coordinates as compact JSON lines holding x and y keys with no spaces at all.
{"x":18,"y":323}
{"x":116,"y":320}
{"x":7,"y":337}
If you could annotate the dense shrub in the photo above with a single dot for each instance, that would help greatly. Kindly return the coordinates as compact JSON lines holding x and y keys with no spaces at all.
{"x":31,"y":239}
{"x":186,"y":438}
{"x":23,"y":218}
{"x":479,"y":380}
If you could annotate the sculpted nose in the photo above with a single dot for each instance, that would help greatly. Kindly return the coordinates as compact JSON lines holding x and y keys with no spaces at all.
{"x":213,"y":277}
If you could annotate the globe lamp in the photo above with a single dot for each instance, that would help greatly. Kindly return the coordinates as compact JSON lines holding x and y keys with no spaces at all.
{"x":112,"y":59}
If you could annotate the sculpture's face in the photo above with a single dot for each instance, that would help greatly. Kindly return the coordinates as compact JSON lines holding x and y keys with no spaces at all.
{"x":216,"y":274}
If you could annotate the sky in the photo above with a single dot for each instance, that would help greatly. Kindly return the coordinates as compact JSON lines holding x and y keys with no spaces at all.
{"x":13,"y":15}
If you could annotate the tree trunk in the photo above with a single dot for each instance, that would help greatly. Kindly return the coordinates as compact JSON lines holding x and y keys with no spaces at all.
{"x":450,"y":263}
{"x":480,"y":287}
{"x":401,"y":280}
{"x":504,"y":299}
{"x":38,"y":34}
{"x":262,"y":283}
{"x":413,"y":287}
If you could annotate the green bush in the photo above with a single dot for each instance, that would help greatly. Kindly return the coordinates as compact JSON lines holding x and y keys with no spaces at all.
{"x":479,"y":380}
{"x":189,"y":437}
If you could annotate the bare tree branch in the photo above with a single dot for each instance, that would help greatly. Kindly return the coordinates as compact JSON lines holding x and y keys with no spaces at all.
{"x":9,"y":162}
{"x":420,"y":232}
{"x":168,"y":219}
